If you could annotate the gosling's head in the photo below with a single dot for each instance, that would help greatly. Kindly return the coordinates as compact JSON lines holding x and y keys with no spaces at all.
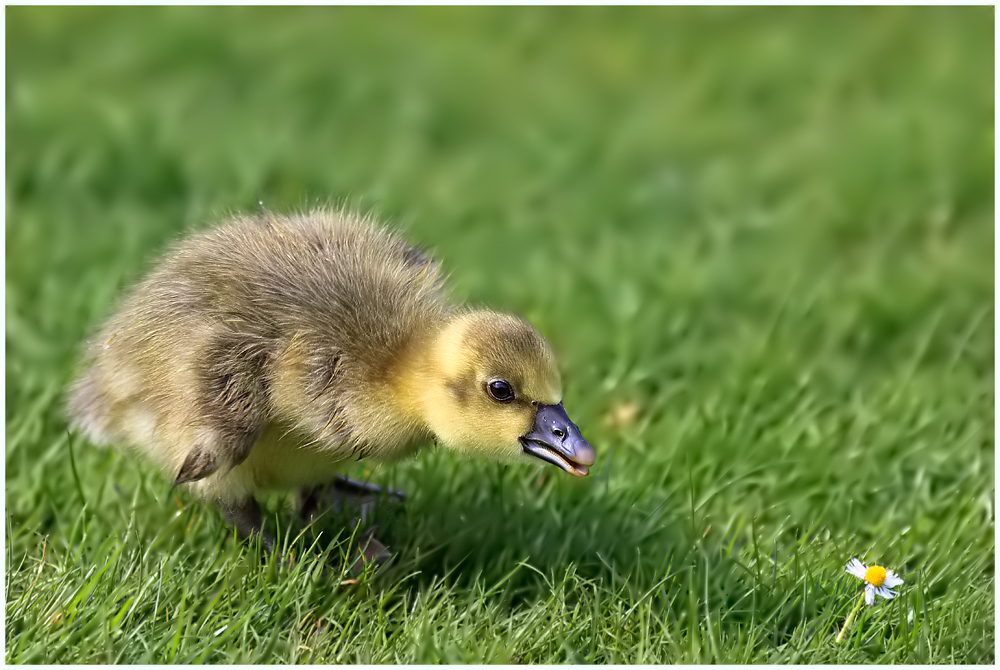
{"x":494,"y":391}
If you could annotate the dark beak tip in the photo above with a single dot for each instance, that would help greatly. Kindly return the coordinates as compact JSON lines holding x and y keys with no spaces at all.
{"x":555,"y":432}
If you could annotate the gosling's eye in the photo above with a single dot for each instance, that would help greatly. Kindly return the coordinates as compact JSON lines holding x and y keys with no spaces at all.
{"x":500,"y":390}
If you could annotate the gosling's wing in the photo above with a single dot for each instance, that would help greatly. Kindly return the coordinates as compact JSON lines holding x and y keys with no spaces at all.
{"x":172,"y":379}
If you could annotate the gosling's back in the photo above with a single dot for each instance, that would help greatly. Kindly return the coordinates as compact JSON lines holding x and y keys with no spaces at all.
{"x":291,"y":321}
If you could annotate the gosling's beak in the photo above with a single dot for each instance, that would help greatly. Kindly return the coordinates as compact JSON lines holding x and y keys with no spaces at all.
{"x":556,"y":439}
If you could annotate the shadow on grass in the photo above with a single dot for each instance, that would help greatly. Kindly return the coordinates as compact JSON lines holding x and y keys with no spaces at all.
{"x":511,"y":537}
{"x":525,"y":530}
{"x":518,"y":540}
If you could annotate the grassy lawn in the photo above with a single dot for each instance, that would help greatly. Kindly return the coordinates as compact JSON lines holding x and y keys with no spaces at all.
{"x":761,"y":241}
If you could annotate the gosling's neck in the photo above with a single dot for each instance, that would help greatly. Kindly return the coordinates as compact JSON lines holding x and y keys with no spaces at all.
{"x":427,"y":373}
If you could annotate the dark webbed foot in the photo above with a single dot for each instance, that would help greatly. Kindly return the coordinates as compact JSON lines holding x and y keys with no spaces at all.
{"x":246,"y":518}
{"x":359,"y":499}
{"x":348,"y":485}
{"x":344,"y":494}
{"x":368,"y":551}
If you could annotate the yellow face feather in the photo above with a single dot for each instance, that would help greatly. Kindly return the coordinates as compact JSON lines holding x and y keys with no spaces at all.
{"x":447,"y":383}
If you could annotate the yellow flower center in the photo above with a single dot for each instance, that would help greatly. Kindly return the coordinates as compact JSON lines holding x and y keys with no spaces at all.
{"x":875,"y":575}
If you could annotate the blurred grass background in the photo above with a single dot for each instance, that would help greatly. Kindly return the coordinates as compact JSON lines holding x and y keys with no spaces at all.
{"x":761,"y":240}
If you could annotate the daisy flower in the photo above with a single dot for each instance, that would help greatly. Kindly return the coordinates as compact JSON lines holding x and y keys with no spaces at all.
{"x":876,"y":578}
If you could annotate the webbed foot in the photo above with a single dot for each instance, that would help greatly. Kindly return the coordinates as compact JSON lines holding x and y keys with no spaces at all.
{"x":359,"y":499}
{"x":246,"y":518}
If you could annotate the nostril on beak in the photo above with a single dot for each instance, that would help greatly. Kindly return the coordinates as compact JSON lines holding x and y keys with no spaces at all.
{"x":559,"y":433}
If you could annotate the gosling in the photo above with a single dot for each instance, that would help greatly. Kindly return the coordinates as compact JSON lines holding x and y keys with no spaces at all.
{"x":270,"y":351}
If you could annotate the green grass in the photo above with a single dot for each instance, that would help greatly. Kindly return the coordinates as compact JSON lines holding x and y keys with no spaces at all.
{"x":761,"y":240}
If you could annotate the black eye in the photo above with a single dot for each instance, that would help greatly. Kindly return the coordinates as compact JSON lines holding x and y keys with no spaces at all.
{"x":500,"y":390}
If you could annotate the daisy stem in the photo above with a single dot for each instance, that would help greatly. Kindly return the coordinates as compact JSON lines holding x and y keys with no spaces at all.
{"x":850,"y":618}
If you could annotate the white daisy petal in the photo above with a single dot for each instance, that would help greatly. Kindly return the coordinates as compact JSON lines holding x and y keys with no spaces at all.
{"x":869,"y":594}
{"x":856,"y":568}
{"x":886,"y":593}
{"x":891,"y":580}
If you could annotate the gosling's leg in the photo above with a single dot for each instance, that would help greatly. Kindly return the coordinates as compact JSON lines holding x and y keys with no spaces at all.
{"x":246,"y":518}
{"x":309,"y":504}
{"x":343,"y":493}
{"x":358,"y":497}
{"x":357,"y":488}
{"x":368,"y":549}
{"x":362,"y":496}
